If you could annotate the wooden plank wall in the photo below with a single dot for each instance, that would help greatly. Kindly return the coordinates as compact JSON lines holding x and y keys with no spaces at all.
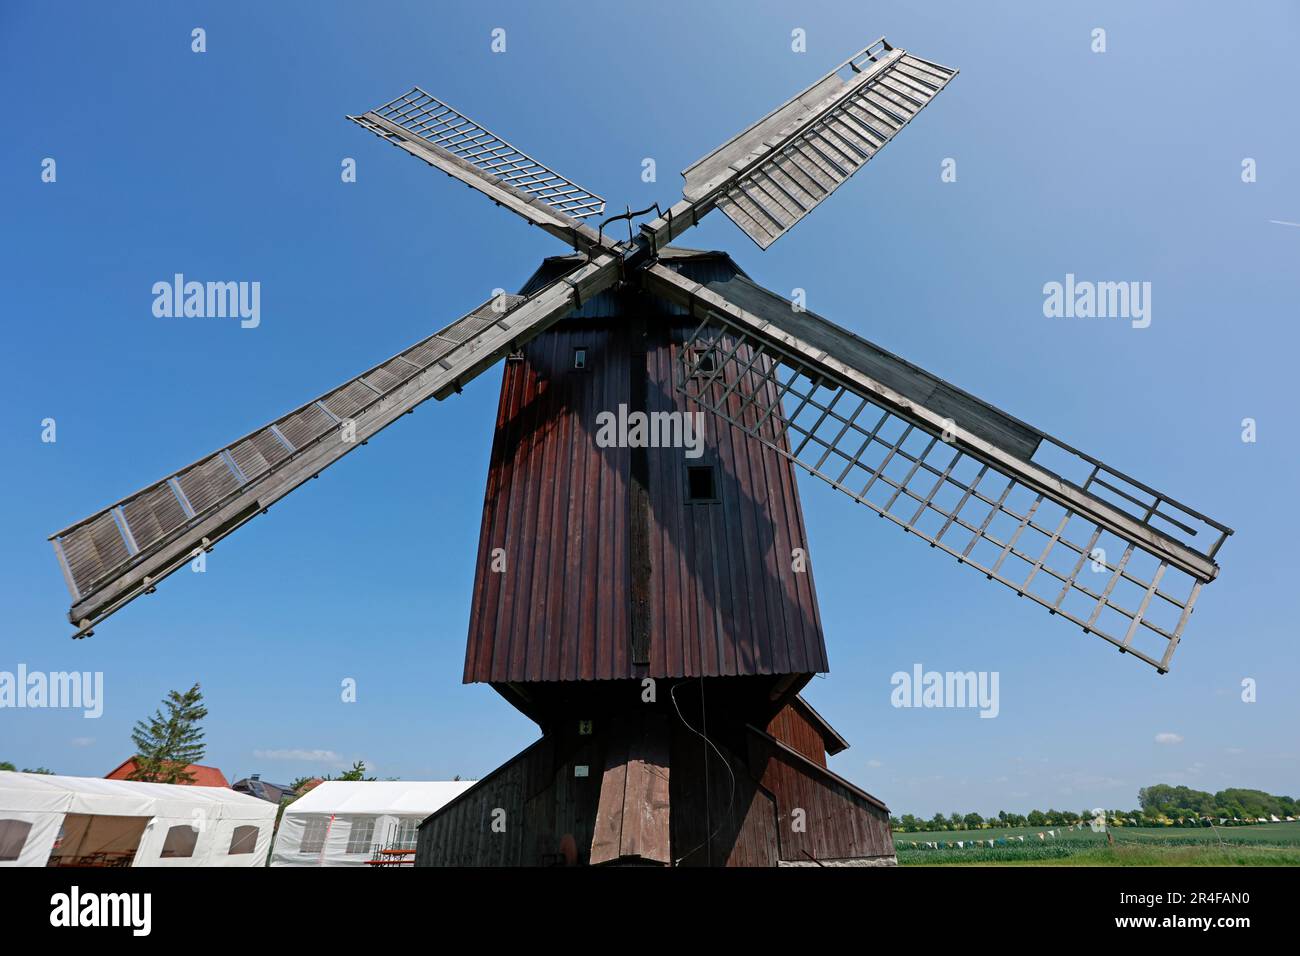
{"x":795,"y":730}
{"x":549,"y":813}
{"x":712,"y":824}
{"x":840,"y":821}
{"x":557,"y":506}
{"x":723,"y":598}
{"x":632,"y":822}
{"x":687,"y":807}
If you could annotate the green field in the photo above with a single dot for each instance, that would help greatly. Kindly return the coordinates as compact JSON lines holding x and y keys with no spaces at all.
{"x":1264,"y":844}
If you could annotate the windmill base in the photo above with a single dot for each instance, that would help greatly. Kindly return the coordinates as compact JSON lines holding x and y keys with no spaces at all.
{"x":643,"y":787}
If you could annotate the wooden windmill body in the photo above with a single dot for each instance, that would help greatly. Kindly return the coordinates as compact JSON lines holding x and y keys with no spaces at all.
{"x":653,"y":609}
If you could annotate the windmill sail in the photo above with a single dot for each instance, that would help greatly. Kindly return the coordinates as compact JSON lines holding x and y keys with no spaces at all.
{"x":775,"y":172}
{"x":1056,"y":525}
{"x":113,"y":556}
{"x":442,"y":136}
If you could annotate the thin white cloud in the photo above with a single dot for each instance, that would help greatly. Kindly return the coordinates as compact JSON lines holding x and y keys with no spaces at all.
{"x":83,"y":741}
{"x":1082,"y":780}
{"x":1168,"y":738}
{"x":1283,"y":222}
{"x":316,"y":756}
{"x":874,"y":764}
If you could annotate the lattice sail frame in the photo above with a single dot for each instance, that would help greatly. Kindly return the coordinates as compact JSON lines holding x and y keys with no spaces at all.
{"x":425,"y":116}
{"x":950,"y":497}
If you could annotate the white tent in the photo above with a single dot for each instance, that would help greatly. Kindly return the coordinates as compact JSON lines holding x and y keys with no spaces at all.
{"x":89,"y":821}
{"x":344,"y":822}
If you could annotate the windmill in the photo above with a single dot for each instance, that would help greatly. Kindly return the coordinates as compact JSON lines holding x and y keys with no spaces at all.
{"x":649,"y":604}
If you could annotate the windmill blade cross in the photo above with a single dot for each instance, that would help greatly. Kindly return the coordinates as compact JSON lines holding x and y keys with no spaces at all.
{"x":1105,"y":551}
{"x":995,"y":493}
{"x":122,"y":551}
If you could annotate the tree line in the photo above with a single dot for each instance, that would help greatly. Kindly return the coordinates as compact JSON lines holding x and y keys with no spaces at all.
{"x":1159,"y":805}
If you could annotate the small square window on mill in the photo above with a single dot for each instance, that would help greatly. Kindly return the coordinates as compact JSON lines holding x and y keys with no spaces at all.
{"x":704,"y":363}
{"x":699,"y":483}
{"x":580,"y":358}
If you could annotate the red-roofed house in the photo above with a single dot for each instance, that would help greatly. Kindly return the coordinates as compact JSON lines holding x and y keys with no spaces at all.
{"x":203,"y":776}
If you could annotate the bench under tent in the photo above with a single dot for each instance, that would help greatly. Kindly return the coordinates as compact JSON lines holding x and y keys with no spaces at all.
{"x":359,"y":823}
{"x":48,"y":820}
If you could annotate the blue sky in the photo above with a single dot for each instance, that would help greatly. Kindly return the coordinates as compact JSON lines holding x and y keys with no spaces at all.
{"x":225,"y":165}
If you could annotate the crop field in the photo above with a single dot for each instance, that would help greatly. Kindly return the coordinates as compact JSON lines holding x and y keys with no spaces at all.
{"x":1265,"y":844}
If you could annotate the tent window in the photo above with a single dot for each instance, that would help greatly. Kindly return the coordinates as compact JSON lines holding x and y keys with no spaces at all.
{"x":362,"y":835}
{"x":313,"y":835}
{"x":13,"y":834}
{"x":243,"y":841}
{"x":180,"y":842}
{"x":408,"y":830}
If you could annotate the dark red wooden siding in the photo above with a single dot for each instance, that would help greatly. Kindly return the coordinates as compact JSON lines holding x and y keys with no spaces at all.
{"x":841,"y":821}
{"x":723,"y":597}
{"x":556,"y":506}
{"x":754,"y":823}
{"x":795,"y":730}
{"x":744,"y":817}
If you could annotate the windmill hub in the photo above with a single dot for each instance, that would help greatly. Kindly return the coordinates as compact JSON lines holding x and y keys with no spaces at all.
{"x":641,"y":587}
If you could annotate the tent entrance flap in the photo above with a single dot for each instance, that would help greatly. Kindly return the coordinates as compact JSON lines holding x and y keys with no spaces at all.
{"x":88,"y":839}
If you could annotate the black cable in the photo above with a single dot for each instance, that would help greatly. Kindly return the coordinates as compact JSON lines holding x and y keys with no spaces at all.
{"x":726,"y":763}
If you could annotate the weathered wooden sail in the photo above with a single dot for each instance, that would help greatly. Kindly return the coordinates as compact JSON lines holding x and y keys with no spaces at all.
{"x":775,"y":172}
{"x":124,"y":550}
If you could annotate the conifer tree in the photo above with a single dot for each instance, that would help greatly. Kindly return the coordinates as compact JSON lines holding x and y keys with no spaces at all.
{"x":167,"y":744}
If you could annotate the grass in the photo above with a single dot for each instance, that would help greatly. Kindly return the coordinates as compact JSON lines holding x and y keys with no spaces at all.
{"x":1270,"y":844}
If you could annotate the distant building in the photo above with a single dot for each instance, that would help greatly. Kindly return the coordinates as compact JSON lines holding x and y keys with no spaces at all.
{"x":203,"y":776}
{"x":255,"y":786}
